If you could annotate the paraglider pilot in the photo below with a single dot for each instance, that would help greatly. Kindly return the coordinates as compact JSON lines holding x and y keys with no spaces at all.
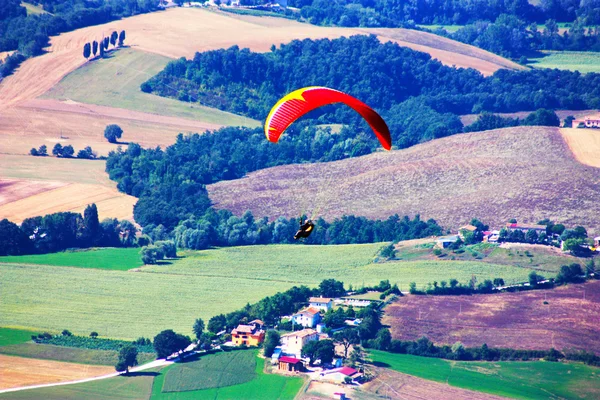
{"x":306,"y":229}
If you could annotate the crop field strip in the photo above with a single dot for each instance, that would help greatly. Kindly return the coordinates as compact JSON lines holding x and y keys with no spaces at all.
{"x":582,"y":61}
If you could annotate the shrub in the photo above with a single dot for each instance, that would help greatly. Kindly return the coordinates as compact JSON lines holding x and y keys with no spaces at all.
{"x":66,"y":332}
{"x":94,"y":335}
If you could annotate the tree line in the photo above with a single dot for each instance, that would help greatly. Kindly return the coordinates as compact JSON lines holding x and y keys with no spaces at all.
{"x":29,"y":34}
{"x":90,"y":49}
{"x":515,"y":38}
{"x":401,"y":13}
{"x":419,"y":97}
{"x":64,"y":151}
{"x":64,"y":230}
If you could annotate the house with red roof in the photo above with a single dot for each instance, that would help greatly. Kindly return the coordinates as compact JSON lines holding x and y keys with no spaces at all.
{"x":339,"y":375}
{"x":308,"y":318}
{"x":290,"y":364}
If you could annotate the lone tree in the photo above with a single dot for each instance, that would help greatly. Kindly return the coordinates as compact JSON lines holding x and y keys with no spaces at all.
{"x":198,"y":328}
{"x":101,"y":49}
{"x":168,"y":342}
{"x":113,"y":38}
{"x":105,"y":42}
{"x":87,"y":50}
{"x":121,"y":38}
{"x":347,"y":338}
{"x":43,"y":150}
{"x":127,"y":358}
{"x":94,"y":48}
{"x":113,"y":132}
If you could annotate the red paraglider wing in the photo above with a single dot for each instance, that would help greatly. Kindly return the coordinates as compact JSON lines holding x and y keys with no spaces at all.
{"x":301,"y":101}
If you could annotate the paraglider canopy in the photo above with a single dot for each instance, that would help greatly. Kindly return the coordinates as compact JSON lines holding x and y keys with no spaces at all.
{"x":301,"y":101}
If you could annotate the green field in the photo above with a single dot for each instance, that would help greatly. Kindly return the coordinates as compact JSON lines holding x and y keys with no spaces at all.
{"x":519,"y":380}
{"x":106,"y":258}
{"x":569,"y":60}
{"x":34,"y":10}
{"x":212,"y":371}
{"x":69,"y":354}
{"x":134,"y":387}
{"x":9,"y":336}
{"x":264,"y":386}
{"x":127,"y":304}
{"x":448,"y":28}
{"x":115,"y":82}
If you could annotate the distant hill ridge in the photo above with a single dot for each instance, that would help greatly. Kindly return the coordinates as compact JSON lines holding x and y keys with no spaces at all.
{"x":527,"y":173}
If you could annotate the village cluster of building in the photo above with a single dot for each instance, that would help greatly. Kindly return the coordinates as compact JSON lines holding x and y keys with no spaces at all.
{"x":493,"y":236}
{"x":288,"y":356}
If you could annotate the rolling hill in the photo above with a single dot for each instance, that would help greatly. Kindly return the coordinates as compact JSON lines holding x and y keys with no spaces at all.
{"x":527,"y":173}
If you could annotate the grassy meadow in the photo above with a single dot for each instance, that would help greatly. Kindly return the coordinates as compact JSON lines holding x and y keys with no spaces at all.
{"x":102,"y":258}
{"x":33,"y":9}
{"x":212,"y":371}
{"x":519,"y":380}
{"x":582,"y":61}
{"x":128,"y":304}
{"x":115,"y":82}
{"x":9,"y":336}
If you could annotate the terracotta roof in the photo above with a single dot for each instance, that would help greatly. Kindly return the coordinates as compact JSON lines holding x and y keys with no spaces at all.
{"x":526,"y":226}
{"x":243,"y":329}
{"x":343,"y":370}
{"x":302,"y":333}
{"x":310,"y":310}
{"x":289,"y":360}
{"x":468,"y":228}
{"x":319,"y":300}
{"x":256,"y":321}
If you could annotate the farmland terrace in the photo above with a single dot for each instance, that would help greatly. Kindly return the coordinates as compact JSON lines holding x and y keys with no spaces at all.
{"x":521,"y":172}
{"x":569,"y":320}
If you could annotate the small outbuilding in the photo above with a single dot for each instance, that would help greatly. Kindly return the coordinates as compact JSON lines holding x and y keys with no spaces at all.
{"x":290,"y":364}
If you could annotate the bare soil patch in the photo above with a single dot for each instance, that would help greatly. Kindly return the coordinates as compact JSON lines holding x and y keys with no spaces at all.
{"x":585,"y":144}
{"x":19,"y":371}
{"x":396,"y":385}
{"x":513,"y":320}
{"x":527,"y":173}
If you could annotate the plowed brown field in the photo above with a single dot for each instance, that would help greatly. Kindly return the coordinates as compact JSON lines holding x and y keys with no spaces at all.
{"x":513,"y":320}
{"x":527,"y":173}
{"x":19,"y":371}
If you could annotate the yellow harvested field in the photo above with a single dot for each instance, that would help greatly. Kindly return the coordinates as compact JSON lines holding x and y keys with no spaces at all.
{"x":584,"y":143}
{"x":20,"y":371}
{"x":12,"y":189}
{"x":46,"y":121}
{"x":41,"y":185}
{"x":74,"y":197}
